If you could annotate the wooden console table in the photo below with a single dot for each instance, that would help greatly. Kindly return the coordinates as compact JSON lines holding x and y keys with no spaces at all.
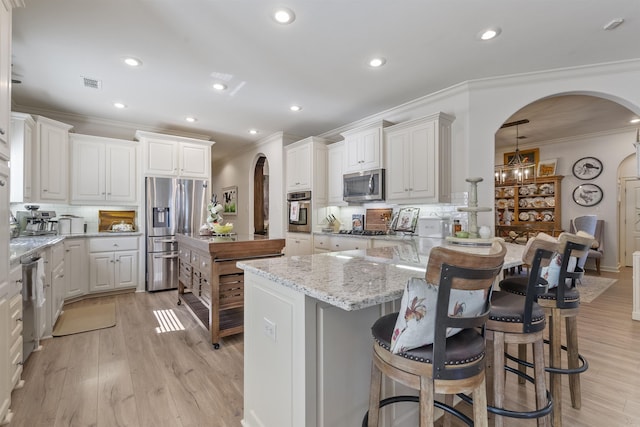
{"x":211,"y":285}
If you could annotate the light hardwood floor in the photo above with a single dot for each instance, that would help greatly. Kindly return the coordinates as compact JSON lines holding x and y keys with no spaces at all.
{"x":129,"y":375}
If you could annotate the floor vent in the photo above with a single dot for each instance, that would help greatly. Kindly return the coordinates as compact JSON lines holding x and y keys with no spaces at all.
{"x":92,"y":83}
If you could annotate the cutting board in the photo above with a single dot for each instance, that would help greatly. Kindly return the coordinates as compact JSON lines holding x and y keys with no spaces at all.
{"x":377,"y":219}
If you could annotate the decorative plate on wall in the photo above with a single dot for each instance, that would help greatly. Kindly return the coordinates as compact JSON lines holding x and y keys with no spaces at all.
{"x":587,"y":168}
{"x":587,"y":195}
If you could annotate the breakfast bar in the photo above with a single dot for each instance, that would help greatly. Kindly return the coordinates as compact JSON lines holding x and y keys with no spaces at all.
{"x":307,"y":354}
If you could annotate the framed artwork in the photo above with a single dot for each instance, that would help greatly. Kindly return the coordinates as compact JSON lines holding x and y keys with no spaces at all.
{"x":407,"y":219}
{"x":547,"y":167}
{"x":587,"y":195}
{"x":587,"y":168}
{"x":528,"y":156}
{"x":230,"y":200}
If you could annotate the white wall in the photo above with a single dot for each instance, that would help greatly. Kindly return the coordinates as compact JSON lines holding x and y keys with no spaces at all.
{"x":239,"y":171}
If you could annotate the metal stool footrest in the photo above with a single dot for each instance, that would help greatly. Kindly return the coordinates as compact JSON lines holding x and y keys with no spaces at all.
{"x":584,"y":365}
{"x":395,"y":399}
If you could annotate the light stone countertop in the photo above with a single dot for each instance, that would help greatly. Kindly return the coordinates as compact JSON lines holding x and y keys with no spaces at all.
{"x":28,"y":245}
{"x":353,"y":280}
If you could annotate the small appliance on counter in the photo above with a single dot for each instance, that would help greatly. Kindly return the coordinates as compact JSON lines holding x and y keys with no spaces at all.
{"x":34,"y":222}
{"x":14,"y":226}
{"x":70,"y":224}
{"x":434,"y":227}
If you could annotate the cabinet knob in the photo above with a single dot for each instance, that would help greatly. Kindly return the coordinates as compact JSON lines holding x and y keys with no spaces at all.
{"x":2,"y":132}
{"x":19,"y":319}
{"x":2,"y":182}
{"x":44,"y":190}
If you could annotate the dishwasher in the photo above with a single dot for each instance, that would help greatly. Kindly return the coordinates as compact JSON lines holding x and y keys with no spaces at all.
{"x":32,"y":304}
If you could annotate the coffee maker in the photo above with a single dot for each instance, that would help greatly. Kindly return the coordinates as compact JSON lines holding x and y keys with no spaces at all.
{"x":34,"y":222}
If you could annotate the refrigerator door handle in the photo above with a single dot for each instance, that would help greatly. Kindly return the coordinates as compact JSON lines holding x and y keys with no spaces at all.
{"x":164,"y":240}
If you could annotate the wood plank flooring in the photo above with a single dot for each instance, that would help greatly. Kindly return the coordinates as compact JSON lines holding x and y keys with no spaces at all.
{"x":130,"y":375}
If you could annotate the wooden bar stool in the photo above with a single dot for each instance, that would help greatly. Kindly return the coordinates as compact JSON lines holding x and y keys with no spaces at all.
{"x":448,"y":365}
{"x":561,"y":304}
{"x":518,"y":319}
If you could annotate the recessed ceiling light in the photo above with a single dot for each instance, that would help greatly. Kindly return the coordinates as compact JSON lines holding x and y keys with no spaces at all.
{"x":489,"y":33}
{"x":219,"y":86}
{"x":377,"y":62}
{"x":295,"y":108}
{"x":119,"y":105}
{"x":132,"y":62}
{"x":634,"y":121}
{"x":253,"y":131}
{"x":613,"y":24}
{"x":191,"y":119}
{"x":284,"y":15}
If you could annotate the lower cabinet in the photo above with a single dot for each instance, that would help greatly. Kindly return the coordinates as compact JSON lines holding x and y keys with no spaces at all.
{"x":113,"y":263}
{"x":75,"y":263}
{"x":15,"y":327}
{"x":298,"y":244}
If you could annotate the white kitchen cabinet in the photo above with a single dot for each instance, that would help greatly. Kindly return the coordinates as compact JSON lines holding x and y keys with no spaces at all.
{"x":113,"y":263}
{"x":299,"y":161}
{"x":321,"y":243}
{"x":363,"y":147}
{"x":298,"y":244}
{"x":335,"y":170}
{"x":15,"y":327}
{"x":103,"y":170}
{"x":306,"y":168}
{"x":338,"y":243}
{"x":5,"y":385}
{"x":54,"y":289}
{"x":22,"y":136}
{"x":75,"y":266}
{"x":168,"y":155}
{"x":52,"y":159}
{"x":418,"y":156}
{"x":5,"y":86}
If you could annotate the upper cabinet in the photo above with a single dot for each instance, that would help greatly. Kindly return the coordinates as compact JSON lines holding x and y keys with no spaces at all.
{"x":22,"y":137}
{"x":168,"y":155}
{"x":335,"y":167}
{"x":52,"y":159}
{"x":306,"y":168}
{"x":5,"y":81}
{"x":363,"y":147}
{"x":103,"y":169}
{"x":419,"y":160}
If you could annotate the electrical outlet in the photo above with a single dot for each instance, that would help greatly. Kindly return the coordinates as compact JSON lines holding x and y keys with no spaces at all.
{"x":269,"y":328}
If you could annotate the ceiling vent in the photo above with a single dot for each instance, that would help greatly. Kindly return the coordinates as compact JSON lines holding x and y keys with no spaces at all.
{"x":92,"y":83}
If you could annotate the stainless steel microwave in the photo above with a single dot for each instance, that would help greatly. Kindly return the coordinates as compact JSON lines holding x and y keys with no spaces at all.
{"x":367,"y":186}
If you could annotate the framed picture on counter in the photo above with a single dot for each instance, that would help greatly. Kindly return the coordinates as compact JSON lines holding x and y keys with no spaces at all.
{"x":407,"y":219}
{"x":230,"y":200}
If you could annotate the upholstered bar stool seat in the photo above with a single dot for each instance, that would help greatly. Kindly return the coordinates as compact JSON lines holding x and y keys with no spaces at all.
{"x":443,"y":363}
{"x":518,"y":319}
{"x":561,"y":305}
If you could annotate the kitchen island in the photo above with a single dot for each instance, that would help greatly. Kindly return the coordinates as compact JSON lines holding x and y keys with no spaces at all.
{"x":209,"y":282}
{"x":307,"y":346}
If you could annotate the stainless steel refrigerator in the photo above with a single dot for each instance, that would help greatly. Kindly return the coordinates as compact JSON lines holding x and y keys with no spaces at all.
{"x":172,"y":206}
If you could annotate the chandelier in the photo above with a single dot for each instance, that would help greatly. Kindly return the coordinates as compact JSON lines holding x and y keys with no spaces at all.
{"x":518,"y":168}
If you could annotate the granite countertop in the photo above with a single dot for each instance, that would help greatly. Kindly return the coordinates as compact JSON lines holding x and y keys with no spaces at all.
{"x":28,"y":245}
{"x":358,"y":279}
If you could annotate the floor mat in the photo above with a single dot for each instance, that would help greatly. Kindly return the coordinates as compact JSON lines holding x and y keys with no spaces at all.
{"x":83,"y":319}
{"x":591,"y":287}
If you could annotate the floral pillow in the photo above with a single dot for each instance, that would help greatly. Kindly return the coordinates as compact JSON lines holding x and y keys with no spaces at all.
{"x":415,"y":325}
{"x":552,"y":273}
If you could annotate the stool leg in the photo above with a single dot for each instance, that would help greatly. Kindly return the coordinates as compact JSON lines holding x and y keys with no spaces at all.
{"x":480,"y":405}
{"x":522,"y":355}
{"x":498,"y":376}
{"x":426,"y":402}
{"x":448,"y":400}
{"x":555,"y":341}
{"x":541,"y":388}
{"x":374,"y":395}
{"x":573,"y":361}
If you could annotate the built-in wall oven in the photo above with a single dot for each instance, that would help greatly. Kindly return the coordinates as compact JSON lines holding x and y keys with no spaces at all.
{"x":299,"y":211}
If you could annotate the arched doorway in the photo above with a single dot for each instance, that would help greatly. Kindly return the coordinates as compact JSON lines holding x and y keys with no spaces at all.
{"x":261,"y":197}
{"x":568,"y":127}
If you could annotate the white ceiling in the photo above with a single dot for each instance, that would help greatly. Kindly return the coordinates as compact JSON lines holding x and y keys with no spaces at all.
{"x":318,"y":62}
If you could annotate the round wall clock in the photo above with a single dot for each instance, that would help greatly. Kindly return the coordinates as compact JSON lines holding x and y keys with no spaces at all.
{"x":587,"y":195}
{"x":587,"y":168}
